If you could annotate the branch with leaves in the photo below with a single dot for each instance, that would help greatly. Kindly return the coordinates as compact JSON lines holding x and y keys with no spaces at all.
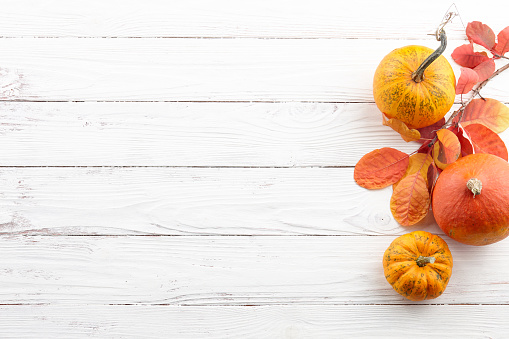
{"x":472,"y":128}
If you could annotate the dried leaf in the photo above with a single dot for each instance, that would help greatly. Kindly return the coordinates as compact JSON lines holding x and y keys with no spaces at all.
{"x":480,"y":34}
{"x":467,"y":80}
{"x":406,"y":133}
{"x":485,"y":140}
{"x":488,"y":112}
{"x":380,"y":168}
{"x":429,"y":132}
{"x":449,"y":147}
{"x":502,"y":45}
{"x":484,"y":70}
{"x":410,"y":200}
{"x":465,"y":56}
{"x":419,"y":162}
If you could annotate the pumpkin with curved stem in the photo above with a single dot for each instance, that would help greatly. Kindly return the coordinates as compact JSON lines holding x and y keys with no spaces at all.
{"x":415,"y":84}
{"x":418,"y":265}
{"x":471,"y":199}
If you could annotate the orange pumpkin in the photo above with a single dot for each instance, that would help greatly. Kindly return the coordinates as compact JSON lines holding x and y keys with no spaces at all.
{"x":471,"y":199}
{"x":415,"y":84}
{"x":418,"y":265}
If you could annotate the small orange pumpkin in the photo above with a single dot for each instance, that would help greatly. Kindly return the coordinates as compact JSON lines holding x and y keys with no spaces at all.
{"x":471,"y":199}
{"x":418,"y":265}
{"x":415,"y":84}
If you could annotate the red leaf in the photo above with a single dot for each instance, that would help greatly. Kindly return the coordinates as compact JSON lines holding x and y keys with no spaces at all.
{"x":502,"y":45}
{"x":488,"y":112}
{"x":467,"y":147}
{"x":486,"y":141}
{"x":381,"y":168}
{"x":481,"y":34}
{"x":432,"y":176}
{"x":429,"y":132}
{"x":484,"y":70}
{"x":467,"y":81}
{"x":465,"y":56}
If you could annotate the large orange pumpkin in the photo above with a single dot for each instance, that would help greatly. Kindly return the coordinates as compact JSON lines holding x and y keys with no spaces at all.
{"x":471,"y":199}
{"x":415,"y":84}
{"x":418,"y":265}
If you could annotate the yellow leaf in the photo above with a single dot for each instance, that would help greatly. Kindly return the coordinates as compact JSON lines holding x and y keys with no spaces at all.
{"x":418,"y":162}
{"x":399,"y":126}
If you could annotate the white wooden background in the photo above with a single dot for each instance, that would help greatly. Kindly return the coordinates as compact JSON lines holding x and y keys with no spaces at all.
{"x":184,"y":169}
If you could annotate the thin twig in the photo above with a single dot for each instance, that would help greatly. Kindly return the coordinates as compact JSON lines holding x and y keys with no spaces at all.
{"x":475,"y":93}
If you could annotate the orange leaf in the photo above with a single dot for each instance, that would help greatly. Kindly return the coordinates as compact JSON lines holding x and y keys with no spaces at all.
{"x":488,"y":112}
{"x":380,"y":168}
{"x":467,"y":80}
{"x":419,"y":162}
{"x":485,"y":140}
{"x":502,"y":45}
{"x":399,"y":126}
{"x":484,"y":70}
{"x":465,"y":56}
{"x":450,"y":147}
{"x":481,"y":34}
{"x":410,"y":200}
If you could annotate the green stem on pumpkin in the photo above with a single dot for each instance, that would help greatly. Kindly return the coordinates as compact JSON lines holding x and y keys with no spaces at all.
{"x":418,"y":75}
{"x":422,"y":261}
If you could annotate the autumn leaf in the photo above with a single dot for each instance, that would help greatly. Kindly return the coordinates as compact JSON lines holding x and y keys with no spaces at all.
{"x":467,"y":147}
{"x":484,"y":70}
{"x":410,"y":200}
{"x":480,"y":34}
{"x":502,"y":45}
{"x":380,"y":168}
{"x":431,"y":177}
{"x":399,"y":126}
{"x":465,"y":56}
{"x":449,"y":146}
{"x":429,"y":132}
{"x":488,"y":112}
{"x":485,"y":140}
{"x":467,"y":80}
{"x":418,"y":162}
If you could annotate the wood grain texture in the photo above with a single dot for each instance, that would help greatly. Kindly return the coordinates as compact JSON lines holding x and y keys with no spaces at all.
{"x":390,"y":19}
{"x":191,"y":134}
{"x":325,"y":70}
{"x":190,"y":270}
{"x":195,"y":201}
{"x":285,"y":321}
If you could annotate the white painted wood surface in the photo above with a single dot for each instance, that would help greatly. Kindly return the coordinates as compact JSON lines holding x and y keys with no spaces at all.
{"x":185,"y":170}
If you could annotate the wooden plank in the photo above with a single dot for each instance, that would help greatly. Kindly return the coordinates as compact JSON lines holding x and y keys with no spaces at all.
{"x":326,"y":70}
{"x":290,"y":321}
{"x":200,"y":201}
{"x":228,"y":271}
{"x":222,"y":18}
{"x":191,"y":134}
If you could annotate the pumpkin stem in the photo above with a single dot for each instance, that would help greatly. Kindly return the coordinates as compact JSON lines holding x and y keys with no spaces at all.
{"x":418,"y":75}
{"x":422,"y":261}
{"x":475,"y":186}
